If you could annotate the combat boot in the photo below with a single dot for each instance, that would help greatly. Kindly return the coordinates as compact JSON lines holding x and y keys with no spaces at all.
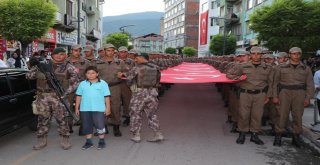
{"x":277,"y":140}
{"x":42,"y":142}
{"x":234,"y":127}
{"x":126,"y":122}
{"x":65,"y":143}
{"x":157,"y":137}
{"x":255,"y":138}
{"x":296,"y":140}
{"x":116,"y":131}
{"x":136,"y":138}
{"x":241,"y":138}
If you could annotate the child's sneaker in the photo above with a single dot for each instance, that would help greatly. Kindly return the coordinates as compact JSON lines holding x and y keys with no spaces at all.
{"x":101,"y":145}
{"x":86,"y":146}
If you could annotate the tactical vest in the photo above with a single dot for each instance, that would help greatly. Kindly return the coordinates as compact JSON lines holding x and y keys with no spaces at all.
{"x":147,"y":75}
{"x":109,"y":72}
{"x":61,"y":74}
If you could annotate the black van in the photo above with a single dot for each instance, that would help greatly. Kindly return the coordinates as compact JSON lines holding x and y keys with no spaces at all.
{"x":16,"y":96}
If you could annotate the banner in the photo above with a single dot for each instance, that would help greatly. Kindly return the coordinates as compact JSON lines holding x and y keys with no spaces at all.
{"x":204,"y":28}
{"x":194,"y":73}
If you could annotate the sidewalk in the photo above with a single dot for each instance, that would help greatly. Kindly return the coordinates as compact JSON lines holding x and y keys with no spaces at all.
{"x":307,"y":124}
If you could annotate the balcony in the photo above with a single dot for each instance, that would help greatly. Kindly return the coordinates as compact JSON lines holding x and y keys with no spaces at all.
{"x":232,"y":1}
{"x":91,"y":10}
{"x":64,"y":22}
{"x":93,"y":35}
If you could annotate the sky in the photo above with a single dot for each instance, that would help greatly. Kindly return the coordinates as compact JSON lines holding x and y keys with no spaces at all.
{"x":119,"y":7}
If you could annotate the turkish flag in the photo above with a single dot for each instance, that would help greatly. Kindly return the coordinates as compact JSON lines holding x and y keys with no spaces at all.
{"x":194,"y":73}
{"x":203,"y":28}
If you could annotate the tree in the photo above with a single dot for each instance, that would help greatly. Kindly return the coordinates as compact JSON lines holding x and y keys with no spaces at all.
{"x":26,"y":20}
{"x":170,"y":50}
{"x":117,"y":39}
{"x":288,"y":23}
{"x":189,"y":51}
{"x":217,"y":42}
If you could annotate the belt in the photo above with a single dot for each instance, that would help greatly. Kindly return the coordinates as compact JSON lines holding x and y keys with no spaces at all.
{"x":114,"y":83}
{"x":257,"y":91}
{"x":293,"y":87}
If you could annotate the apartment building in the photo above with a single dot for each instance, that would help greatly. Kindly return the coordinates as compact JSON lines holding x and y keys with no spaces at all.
{"x":149,"y":43}
{"x":237,"y":12}
{"x":181,"y":22}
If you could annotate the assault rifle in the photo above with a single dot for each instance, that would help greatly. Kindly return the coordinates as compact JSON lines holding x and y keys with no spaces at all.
{"x":46,"y":68}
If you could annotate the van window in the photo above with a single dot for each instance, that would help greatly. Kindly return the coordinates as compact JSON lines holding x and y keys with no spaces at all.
{"x":19,"y":82}
{"x":4,"y":88}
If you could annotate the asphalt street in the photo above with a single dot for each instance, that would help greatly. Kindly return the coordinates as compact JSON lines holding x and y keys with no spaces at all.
{"x":193,"y":121}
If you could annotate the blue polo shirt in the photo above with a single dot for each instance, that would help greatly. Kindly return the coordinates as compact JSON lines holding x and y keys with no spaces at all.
{"x":93,"y":95}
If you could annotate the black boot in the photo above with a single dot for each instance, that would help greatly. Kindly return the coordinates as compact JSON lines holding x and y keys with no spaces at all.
{"x":70,"y":128}
{"x":116,"y":131}
{"x":241,"y":138}
{"x":126,"y":122}
{"x":277,"y":140}
{"x":296,"y":140}
{"x":234,"y":127}
{"x":255,"y":138}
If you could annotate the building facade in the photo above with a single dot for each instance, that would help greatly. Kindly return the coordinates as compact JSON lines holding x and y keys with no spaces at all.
{"x":181,"y":22}
{"x":237,"y":12}
{"x":149,"y":43}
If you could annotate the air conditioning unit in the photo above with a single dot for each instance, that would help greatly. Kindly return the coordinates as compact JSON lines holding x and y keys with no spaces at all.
{"x":90,"y":10}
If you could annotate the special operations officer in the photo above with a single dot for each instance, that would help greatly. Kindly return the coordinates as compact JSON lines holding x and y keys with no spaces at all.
{"x":48,"y":102}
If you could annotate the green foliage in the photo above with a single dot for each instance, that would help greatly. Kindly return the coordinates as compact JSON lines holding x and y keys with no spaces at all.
{"x":189,"y":51}
{"x":170,"y":50}
{"x":216,"y":44}
{"x":117,"y":39}
{"x":130,"y":47}
{"x":288,"y":23}
{"x":26,"y":20}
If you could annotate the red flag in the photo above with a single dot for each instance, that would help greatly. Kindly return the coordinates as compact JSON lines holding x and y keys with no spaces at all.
{"x":203,"y":28}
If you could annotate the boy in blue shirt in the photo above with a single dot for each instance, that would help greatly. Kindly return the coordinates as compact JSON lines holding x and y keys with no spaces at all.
{"x":93,"y":104}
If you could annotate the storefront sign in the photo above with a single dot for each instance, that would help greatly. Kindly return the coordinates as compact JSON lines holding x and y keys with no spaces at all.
{"x":50,"y":37}
{"x":66,"y":38}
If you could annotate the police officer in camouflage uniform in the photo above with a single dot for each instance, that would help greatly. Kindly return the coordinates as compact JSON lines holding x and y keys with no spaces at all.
{"x":125,"y":90}
{"x":47,"y":101}
{"x":293,"y":88}
{"x":255,"y":91}
{"x":144,"y":79}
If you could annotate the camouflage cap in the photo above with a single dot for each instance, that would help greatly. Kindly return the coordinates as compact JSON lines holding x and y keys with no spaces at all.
{"x":106,"y":46}
{"x":123,"y":48}
{"x":100,"y":49}
{"x":256,"y":49}
{"x":282,"y":54}
{"x":268,"y":56}
{"x":88,"y":48}
{"x":295,"y":50}
{"x":133,"y":51}
{"x":76,"y":47}
{"x":242,"y":52}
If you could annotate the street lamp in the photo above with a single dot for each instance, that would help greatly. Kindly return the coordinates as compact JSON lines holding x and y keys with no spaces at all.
{"x":122,"y":27}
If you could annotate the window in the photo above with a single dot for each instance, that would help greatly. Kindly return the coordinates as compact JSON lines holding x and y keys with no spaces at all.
{"x":221,"y":11}
{"x":4,"y":90}
{"x":182,"y":5}
{"x":19,"y":82}
{"x":182,"y":30}
{"x":213,"y":4}
{"x":259,"y":1}
{"x":97,"y":25}
{"x":182,"y":17}
{"x":250,"y":4}
{"x":69,"y":5}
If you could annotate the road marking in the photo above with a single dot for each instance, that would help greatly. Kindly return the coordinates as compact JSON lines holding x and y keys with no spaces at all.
{"x":24,"y":158}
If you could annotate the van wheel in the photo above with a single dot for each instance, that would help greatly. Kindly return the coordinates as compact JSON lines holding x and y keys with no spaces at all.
{"x":33,"y":124}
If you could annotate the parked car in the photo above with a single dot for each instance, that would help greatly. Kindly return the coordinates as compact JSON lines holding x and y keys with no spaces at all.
{"x":16,"y":96}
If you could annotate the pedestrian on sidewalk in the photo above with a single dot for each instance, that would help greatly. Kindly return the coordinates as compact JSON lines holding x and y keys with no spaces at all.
{"x":93,"y":104}
{"x":293,"y":88}
{"x":144,"y":78}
